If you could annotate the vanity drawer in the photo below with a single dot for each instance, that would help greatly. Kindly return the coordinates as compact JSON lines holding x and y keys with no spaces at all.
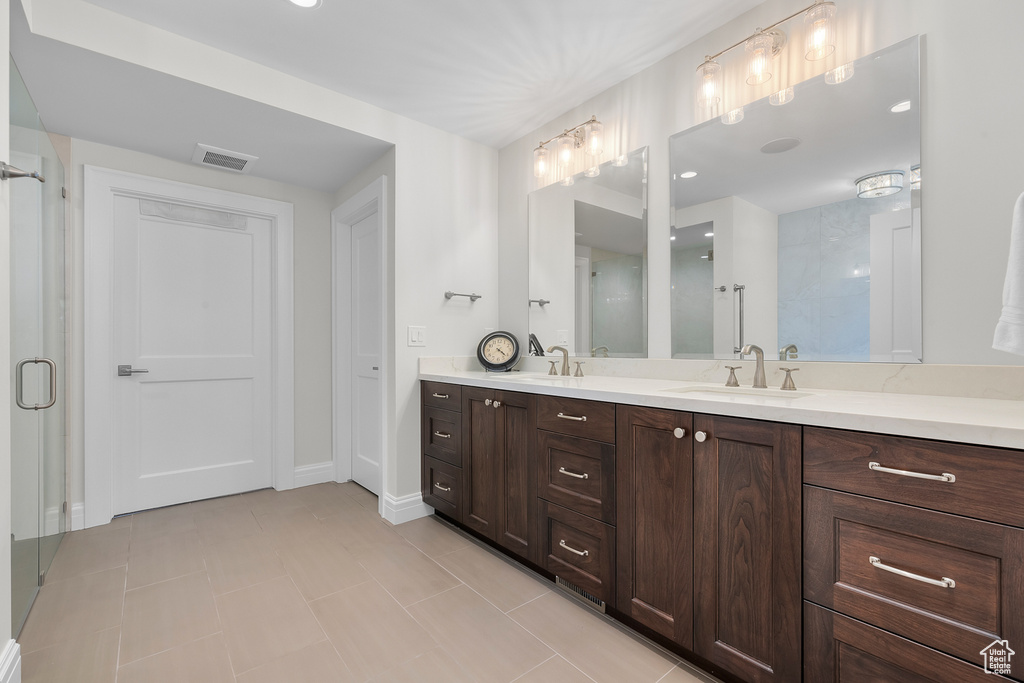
{"x":838,"y":649}
{"x":579,"y":549}
{"x":442,"y":435}
{"x":441,"y":395}
{"x":578,"y":417}
{"x":442,"y":487}
{"x":989,"y":481}
{"x":578,"y":474}
{"x":852,"y":544}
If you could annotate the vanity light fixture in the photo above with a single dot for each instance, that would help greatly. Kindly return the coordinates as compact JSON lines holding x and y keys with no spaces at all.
{"x":763,"y":45}
{"x":734,"y":116}
{"x":588,"y":135}
{"x":780,"y":98}
{"x":880,"y":184}
{"x":840,"y":74}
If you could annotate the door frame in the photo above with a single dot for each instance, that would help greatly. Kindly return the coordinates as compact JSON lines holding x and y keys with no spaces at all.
{"x":101,"y":185}
{"x":371,"y":199}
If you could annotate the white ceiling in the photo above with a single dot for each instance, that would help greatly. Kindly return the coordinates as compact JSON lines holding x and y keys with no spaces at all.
{"x":488,"y":70}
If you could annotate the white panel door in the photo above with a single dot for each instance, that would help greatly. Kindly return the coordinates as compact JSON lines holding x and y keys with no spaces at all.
{"x":366,"y":341}
{"x":895,"y":319}
{"x":192,"y":308}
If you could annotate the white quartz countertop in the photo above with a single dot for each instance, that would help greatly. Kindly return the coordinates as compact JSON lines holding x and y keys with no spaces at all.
{"x":983,"y":421}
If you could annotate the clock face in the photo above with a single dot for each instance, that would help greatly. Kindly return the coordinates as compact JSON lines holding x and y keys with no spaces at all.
{"x":499,"y":350}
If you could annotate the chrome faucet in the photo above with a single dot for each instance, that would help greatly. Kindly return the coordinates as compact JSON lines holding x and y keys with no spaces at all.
{"x":759,"y":379}
{"x":602,"y":349}
{"x":788,"y":352}
{"x":565,"y":359}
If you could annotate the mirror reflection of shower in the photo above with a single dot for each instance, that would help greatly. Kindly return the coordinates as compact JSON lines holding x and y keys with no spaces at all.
{"x":692,"y":299}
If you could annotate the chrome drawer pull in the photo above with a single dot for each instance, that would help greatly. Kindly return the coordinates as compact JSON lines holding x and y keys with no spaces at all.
{"x":442,"y":435}
{"x":877,"y":467}
{"x":436,"y":395}
{"x":572,"y":417}
{"x":562,"y":470}
{"x":446,"y":489}
{"x":581,"y":553}
{"x":943,"y":583}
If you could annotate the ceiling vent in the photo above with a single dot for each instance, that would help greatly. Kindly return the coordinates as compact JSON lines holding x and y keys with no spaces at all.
{"x":207,"y":155}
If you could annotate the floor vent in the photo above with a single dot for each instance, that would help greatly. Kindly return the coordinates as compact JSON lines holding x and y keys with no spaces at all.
{"x":583,"y":596}
{"x":223,"y":159}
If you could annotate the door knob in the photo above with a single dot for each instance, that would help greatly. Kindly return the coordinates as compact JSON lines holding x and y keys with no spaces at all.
{"x":128,"y":371}
{"x":701,"y":437}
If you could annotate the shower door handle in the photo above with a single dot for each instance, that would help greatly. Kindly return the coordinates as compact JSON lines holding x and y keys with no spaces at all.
{"x":7,"y":172}
{"x":19,"y":384}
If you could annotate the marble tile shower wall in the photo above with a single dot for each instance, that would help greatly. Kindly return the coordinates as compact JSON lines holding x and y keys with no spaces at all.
{"x":618,"y":290}
{"x":825,"y":280}
{"x":692,"y":303}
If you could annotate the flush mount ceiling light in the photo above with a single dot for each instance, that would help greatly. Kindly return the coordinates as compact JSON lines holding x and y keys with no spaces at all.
{"x":880,"y":184}
{"x":763,"y":45}
{"x":588,"y":136}
{"x":915,"y":177}
{"x":306,"y":4}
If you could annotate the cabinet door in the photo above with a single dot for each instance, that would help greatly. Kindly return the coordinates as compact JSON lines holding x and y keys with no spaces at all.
{"x":481,"y":461}
{"x":747,"y":546}
{"x":655,"y":520}
{"x":838,"y":649}
{"x":516,"y":419}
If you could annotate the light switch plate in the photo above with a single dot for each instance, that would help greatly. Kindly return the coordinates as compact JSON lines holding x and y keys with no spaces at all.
{"x":563,"y":336}
{"x":417,"y":335}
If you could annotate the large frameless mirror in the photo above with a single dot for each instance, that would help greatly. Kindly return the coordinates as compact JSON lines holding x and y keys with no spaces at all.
{"x":798,"y":227}
{"x":588,"y":261}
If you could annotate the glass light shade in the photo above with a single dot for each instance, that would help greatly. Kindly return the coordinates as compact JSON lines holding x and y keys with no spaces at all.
{"x":839,"y":74}
{"x":880,"y":184}
{"x":709,"y":84}
{"x":759,"y":58}
{"x":915,"y":177}
{"x":565,"y":145}
{"x":734,"y":116}
{"x":594,"y":138}
{"x":568,"y":180}
{"x":541,"y":162}
{"x":820,"y":31}
{"x":780,"y":98}
{"x":593,"y":171}
{"x":621,"y":160}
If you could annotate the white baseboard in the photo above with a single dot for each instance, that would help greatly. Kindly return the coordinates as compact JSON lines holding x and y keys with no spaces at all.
{"x":51,"y":521}
{"x":10,"y":663}
{"x":77,"y":519}
{"x":307,"y":475}
{"x":406,"y":508}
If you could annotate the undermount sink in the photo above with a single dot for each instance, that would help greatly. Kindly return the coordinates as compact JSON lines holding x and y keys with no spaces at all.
{"x":739,"y":391}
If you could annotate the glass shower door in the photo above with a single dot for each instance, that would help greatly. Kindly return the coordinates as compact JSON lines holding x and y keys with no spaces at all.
{"x":37,"y":352}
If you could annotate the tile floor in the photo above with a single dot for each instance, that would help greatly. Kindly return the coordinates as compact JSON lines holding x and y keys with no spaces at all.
{"x":311,"y":585}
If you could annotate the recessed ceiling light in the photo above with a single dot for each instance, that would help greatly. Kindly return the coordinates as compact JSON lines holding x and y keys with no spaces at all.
{"x":672,"y":237}
{"x":780,"y":145}
{"x":900,"y":107}
{"x":307,"y":4}
{"x":688,"y":174}
{"x":709,"y":234}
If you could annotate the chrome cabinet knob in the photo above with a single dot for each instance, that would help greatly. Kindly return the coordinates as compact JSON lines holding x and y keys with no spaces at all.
{"x":701,"y":437}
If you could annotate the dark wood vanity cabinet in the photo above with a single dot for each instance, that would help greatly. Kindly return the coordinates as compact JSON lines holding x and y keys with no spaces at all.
{"x":499,"y":493}
{"x":747,"y":546}
{"x":654,"y":473}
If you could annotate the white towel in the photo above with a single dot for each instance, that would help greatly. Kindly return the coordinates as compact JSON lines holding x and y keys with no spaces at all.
{"x":1010,"y":328}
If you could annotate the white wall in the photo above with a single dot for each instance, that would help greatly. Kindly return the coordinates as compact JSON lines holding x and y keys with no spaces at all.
{"x":444,"y":187}
{"x":972,"y":182}
{"x":6,"y":380}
